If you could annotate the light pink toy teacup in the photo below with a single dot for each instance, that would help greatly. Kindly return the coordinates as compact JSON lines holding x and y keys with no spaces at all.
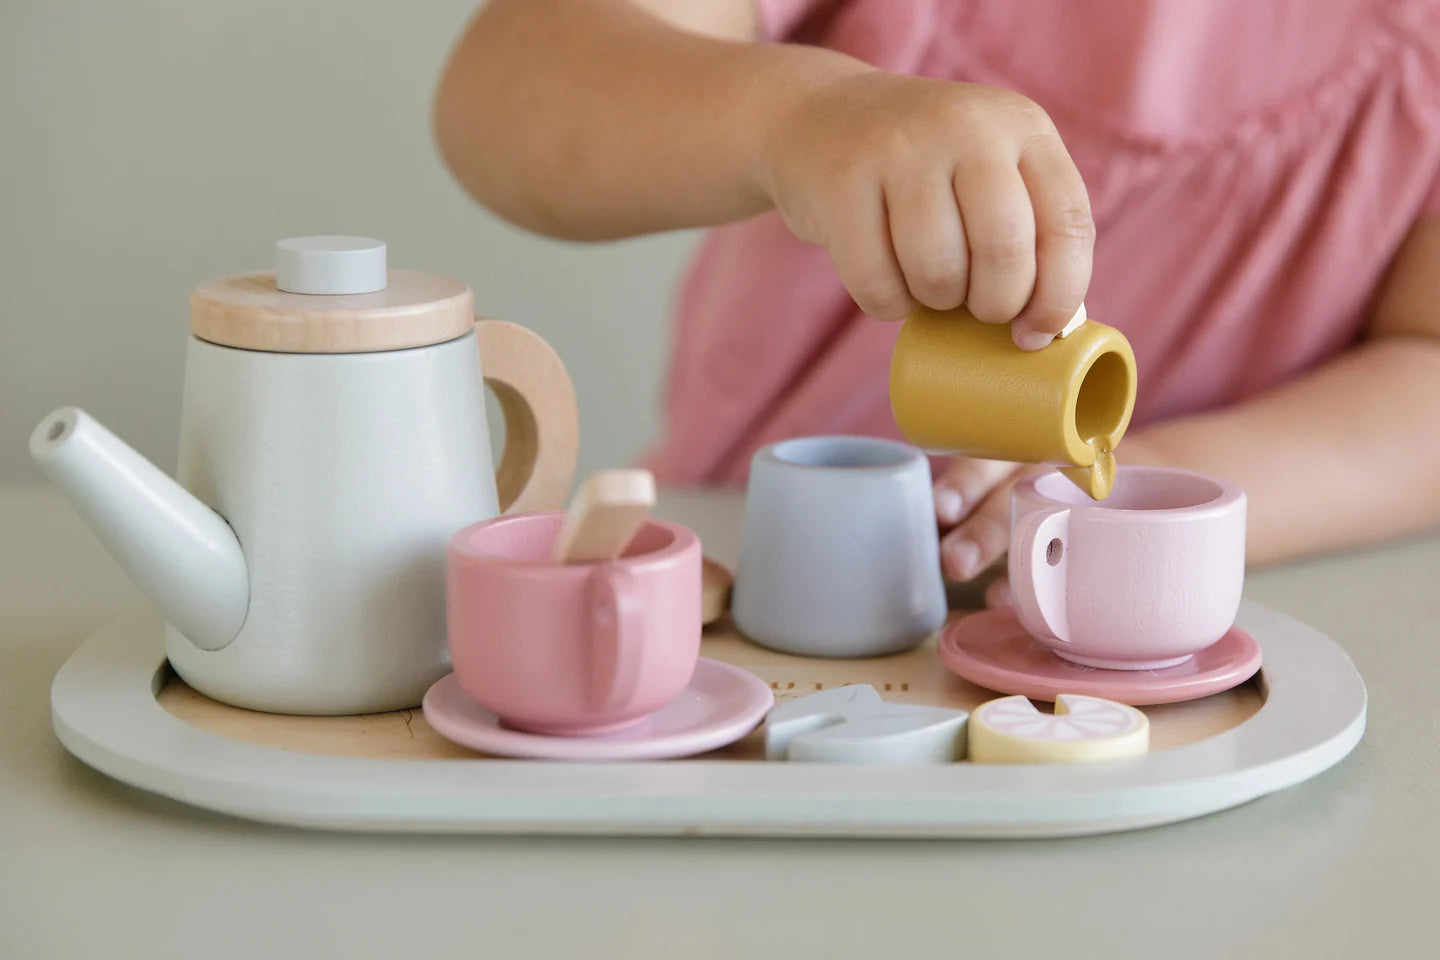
{"x":1142,"y":580}
{"x":571,"y":649}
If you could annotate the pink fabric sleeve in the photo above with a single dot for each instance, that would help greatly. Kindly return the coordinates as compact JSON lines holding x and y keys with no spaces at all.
{"x":776,"y":20}
{"x":1431,"y":208}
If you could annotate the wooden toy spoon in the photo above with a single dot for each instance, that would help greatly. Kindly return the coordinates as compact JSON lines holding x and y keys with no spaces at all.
{"x":607,"y":512}
{"x":715,"y":585}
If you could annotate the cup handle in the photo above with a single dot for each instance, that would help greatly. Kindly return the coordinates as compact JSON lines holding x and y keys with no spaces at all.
{"x":617,"y":645}
{"x":1038,"y":584}
{"x":542,"y":425}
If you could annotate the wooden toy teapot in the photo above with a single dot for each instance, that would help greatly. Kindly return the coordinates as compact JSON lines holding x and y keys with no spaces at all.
{"x":332,"y":438}
{"x":958,"y":385}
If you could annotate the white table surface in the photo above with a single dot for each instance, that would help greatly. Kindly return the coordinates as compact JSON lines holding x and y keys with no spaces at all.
{"x":1343,"y":866}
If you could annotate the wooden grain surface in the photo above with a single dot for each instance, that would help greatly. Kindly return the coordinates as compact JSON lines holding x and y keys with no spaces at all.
{"x":247,"y":311}
{"x":542,"y":422}
{"x":913,"y":677}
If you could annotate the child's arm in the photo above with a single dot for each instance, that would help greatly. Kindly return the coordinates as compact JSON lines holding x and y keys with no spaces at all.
{"x":593,"y":119}
{"x":1350,"y":453}
{"x":1346,"y":455}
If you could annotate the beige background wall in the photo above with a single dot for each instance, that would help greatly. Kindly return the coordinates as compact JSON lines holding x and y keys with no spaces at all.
{"x":147,"y":146}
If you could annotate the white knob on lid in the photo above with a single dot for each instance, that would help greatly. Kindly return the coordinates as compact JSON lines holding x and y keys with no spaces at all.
{"x":330,"y":265}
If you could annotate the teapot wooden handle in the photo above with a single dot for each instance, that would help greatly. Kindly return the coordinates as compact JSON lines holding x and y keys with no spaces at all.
{"x":542,"y":425}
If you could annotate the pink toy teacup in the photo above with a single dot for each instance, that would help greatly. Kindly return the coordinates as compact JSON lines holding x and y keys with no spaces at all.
{"x":1142,"y":580}
{"x":571,"y":649}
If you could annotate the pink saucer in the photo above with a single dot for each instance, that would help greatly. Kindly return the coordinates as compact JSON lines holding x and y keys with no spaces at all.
{"x":992,"y":649}
{"x":721,"y":705}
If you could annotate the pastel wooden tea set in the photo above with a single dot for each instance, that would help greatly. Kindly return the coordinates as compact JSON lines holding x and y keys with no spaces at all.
{"x":337,"y":544}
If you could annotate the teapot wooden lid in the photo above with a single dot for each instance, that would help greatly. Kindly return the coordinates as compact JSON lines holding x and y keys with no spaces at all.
{"x":337,"y":297}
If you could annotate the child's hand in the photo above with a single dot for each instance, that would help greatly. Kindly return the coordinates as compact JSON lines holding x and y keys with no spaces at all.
{"x":939,"y":193}
{"x":972,"y":503}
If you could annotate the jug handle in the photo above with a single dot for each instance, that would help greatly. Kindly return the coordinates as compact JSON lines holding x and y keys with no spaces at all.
{"x":542,"y":425}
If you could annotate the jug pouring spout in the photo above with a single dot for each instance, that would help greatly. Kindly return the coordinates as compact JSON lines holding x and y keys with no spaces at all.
{"x":178,"y":551}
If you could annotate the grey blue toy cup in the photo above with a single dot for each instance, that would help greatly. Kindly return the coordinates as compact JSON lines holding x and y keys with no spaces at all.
{"x":840,"y":555}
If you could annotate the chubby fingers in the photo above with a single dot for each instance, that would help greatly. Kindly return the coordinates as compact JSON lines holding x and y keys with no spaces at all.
{"x":859,"y":244}
{"x":1064,"y":241}
{"x":1000,"y":231}
{"x":998,"y":595}
{"x":984,"y":535}
{"x":929,"y":239}
{"x":902,"y":247}
{"x":980,"y":540}
{"x":1004,"y":227}
{"x":963,"y":485}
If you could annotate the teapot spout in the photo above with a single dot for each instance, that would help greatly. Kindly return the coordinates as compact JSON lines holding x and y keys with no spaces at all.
{"x":178,"y":551}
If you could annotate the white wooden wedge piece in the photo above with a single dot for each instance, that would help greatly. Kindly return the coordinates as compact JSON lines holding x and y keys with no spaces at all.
{"x":852,"y":724}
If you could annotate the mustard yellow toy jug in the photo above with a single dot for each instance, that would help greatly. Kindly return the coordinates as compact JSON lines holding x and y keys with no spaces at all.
{"x":958,"y":385}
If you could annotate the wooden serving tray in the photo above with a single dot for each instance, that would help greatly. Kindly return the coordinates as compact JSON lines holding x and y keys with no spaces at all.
{"x":117,"y":706}
{"x":917,"y":676}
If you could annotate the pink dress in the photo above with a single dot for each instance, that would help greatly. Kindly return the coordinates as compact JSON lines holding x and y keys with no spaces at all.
{"x":1253,"y":166}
